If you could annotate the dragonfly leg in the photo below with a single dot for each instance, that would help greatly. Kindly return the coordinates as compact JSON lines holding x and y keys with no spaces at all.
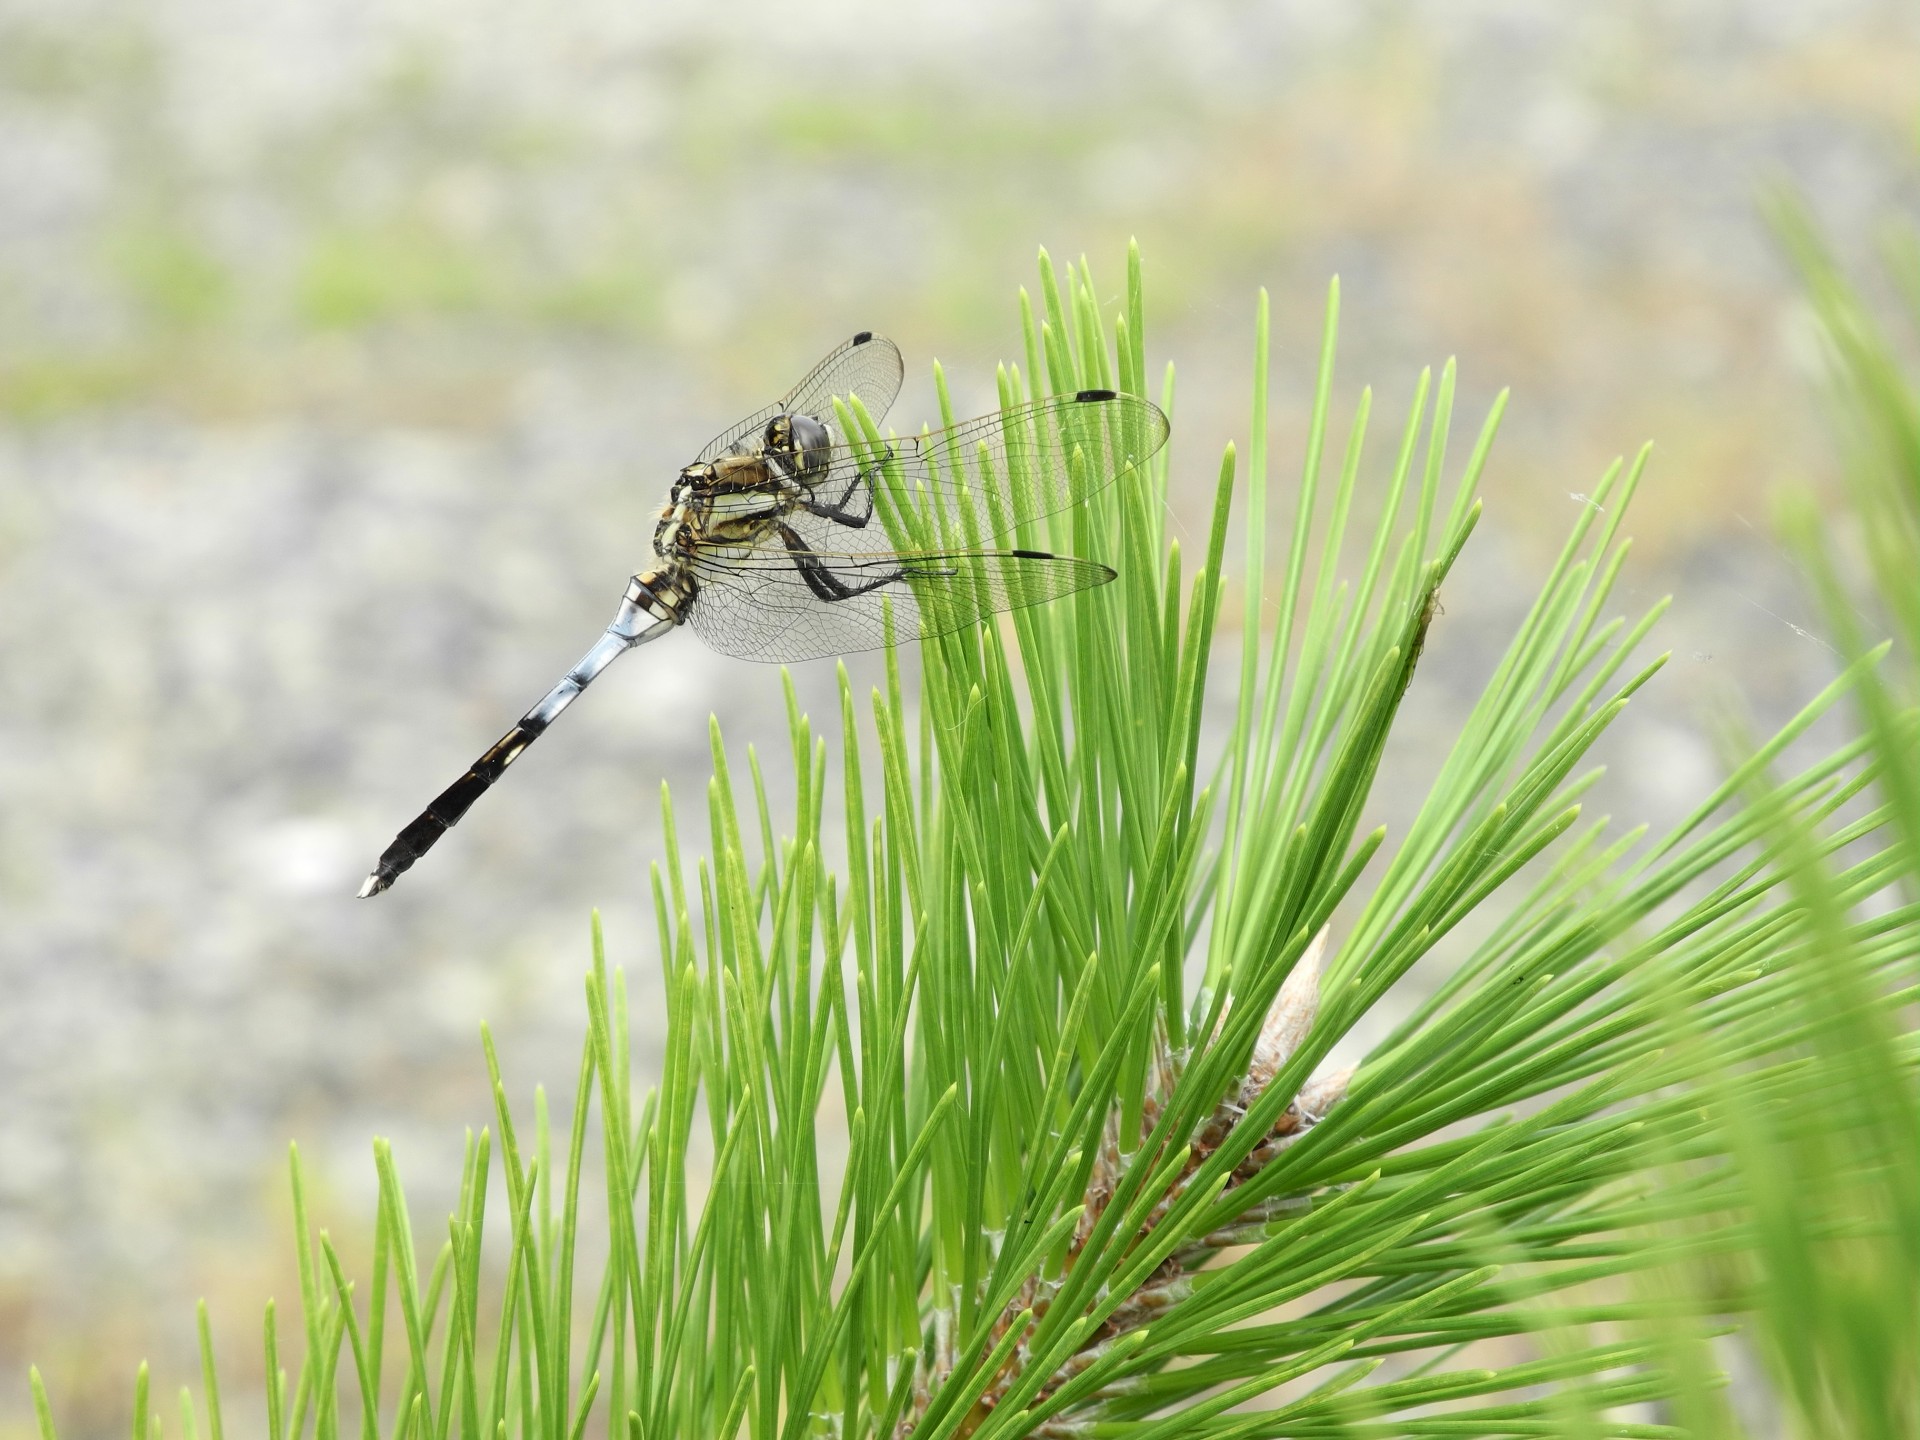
{"x":822,"y":581}
{"x":840,"y":511}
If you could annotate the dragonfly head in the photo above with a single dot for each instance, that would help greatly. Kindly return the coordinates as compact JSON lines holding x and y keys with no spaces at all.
{"x":801,"y":442}
{"x":694,"y":481}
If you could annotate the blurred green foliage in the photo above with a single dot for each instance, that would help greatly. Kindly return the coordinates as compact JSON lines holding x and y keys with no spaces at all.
{"x":172,"y":276}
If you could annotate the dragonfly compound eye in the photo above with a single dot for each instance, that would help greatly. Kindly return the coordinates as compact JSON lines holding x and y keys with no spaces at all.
{"x":812,"y":442}
{"x":802,"y":441}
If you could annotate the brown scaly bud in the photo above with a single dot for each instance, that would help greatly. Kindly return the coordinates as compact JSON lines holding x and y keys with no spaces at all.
{"x":1322,"y":1093}
{"x":1163,"y":1073}
{"x":1307,"y":1109}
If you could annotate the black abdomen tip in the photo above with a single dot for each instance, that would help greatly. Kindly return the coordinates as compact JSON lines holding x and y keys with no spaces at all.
{"x":1096,"y":395}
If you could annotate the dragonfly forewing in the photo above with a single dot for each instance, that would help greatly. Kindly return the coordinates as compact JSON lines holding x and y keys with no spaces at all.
{"x":987,"y":478}
{"x":868,"y":366}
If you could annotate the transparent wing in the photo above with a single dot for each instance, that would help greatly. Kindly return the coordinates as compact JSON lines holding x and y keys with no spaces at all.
{"x":982,"y":478}
{"x":868,"y":365}
{"x":765,"y":602}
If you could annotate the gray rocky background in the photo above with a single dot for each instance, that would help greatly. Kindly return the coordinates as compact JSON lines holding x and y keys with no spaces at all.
{"x":345,"y":349}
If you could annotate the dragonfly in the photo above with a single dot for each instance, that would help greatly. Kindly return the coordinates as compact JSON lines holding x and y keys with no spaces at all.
{"x":795,"y":535}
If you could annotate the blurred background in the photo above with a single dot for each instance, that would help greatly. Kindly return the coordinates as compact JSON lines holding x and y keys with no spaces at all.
{"x":346,"y":350}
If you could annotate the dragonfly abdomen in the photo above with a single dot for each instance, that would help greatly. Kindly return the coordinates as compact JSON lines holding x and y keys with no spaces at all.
{"x":656,"y":601}
{"x":443,"y":812}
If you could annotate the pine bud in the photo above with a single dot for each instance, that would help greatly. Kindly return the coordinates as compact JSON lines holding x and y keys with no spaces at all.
{"x":1290,"y":1018}
{"x":1323,"y":1092}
